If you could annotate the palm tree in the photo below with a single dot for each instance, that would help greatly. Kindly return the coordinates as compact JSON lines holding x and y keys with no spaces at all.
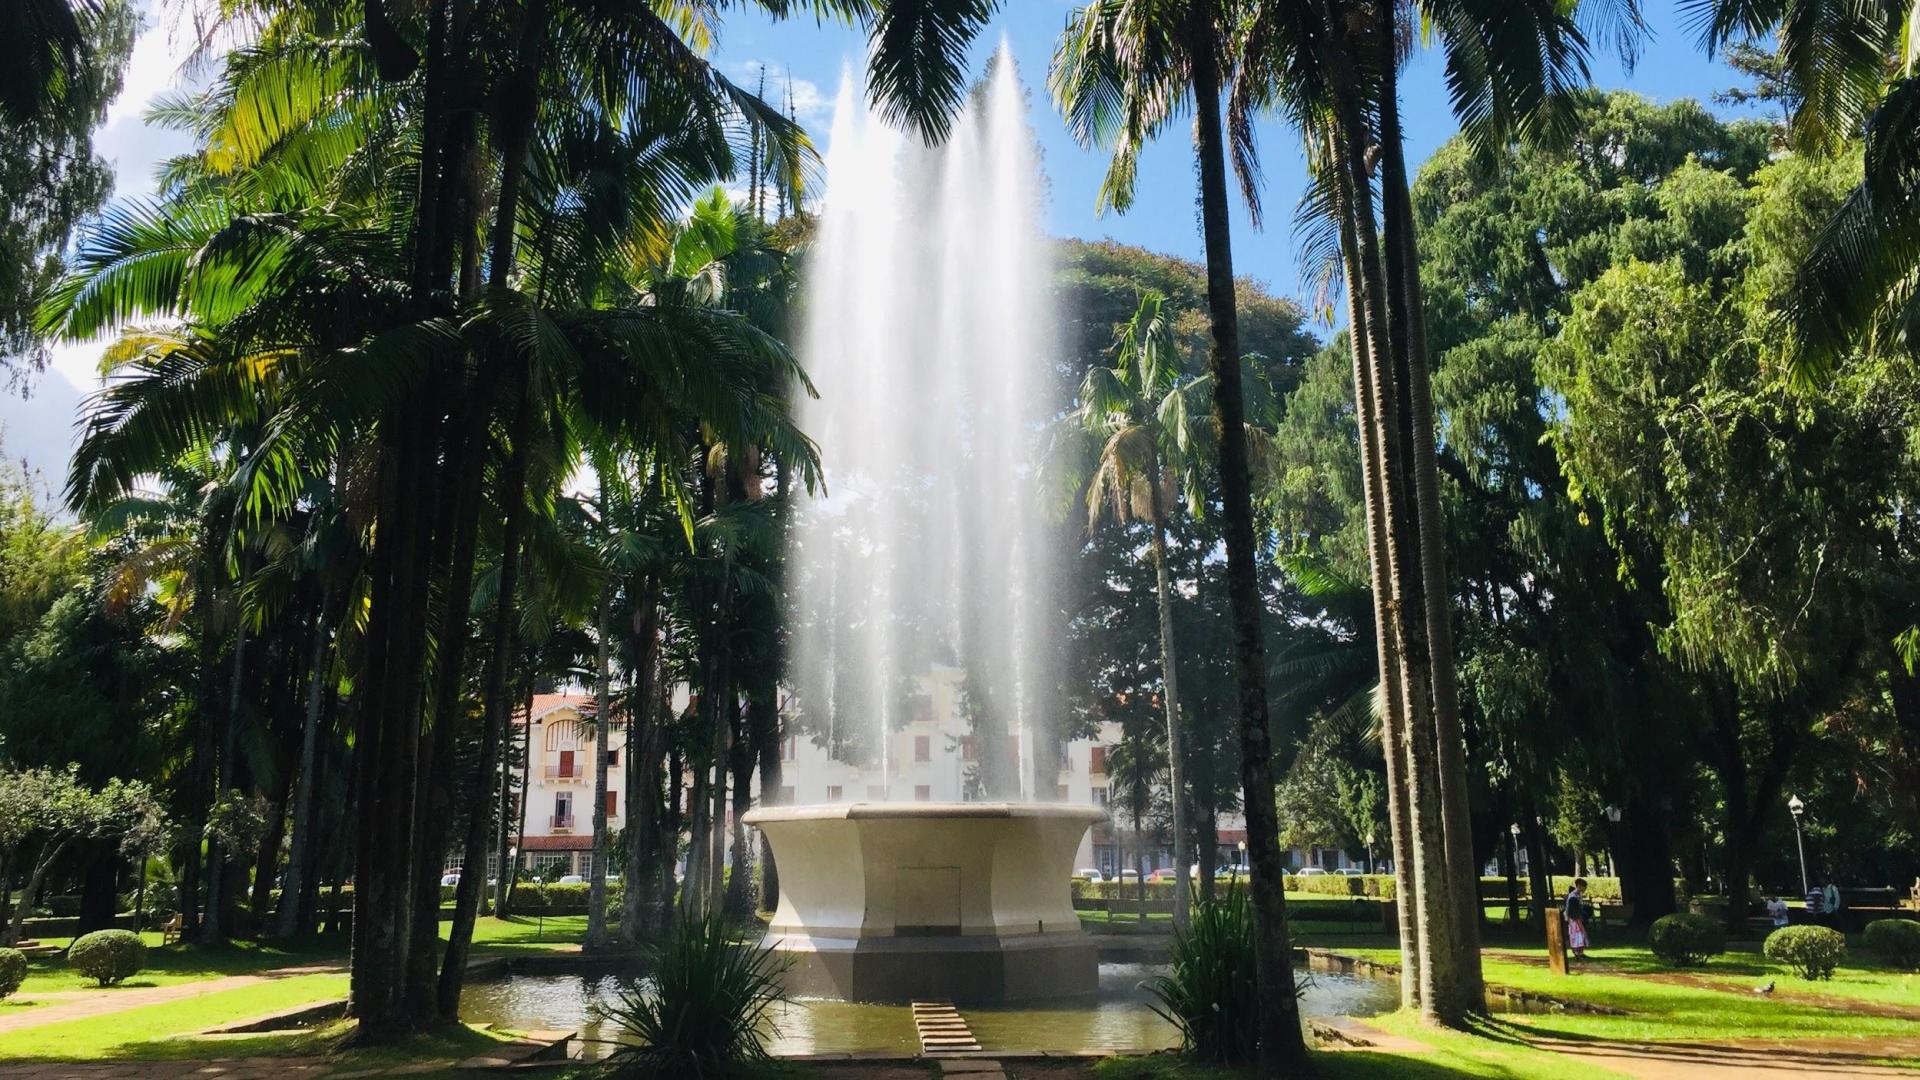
{"x":1122,"y":72}
{"x":1140,"y":413}
{"x":1136,"y":769}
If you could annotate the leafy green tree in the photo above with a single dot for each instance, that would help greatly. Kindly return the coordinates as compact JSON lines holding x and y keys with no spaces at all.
{"x":62,"y":62}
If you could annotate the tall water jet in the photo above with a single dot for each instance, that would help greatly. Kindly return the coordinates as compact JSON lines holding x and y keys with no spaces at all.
{"x":928,"y":337}
{"x":928,"y":331}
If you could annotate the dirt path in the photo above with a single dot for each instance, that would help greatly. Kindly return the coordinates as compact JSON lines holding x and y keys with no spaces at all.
{"x":81,"y":1005}
{"x":1768,"y":1059}
{"x":1765,"y":1059}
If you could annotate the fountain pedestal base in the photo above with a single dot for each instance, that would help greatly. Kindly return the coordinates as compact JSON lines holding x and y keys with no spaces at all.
{"x":959,"y":969}
{"x":905,"y":901}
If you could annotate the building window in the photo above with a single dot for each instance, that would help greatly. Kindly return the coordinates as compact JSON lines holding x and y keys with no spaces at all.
{"x":789,"y":747}
{"x":922,"y":793}
{"x":967,"y":750}
{"x":1100,"y":797}
{"x":613,"y":804}
{"x":923,"y":748}
{"x":563,"y":809}
{"x":834,"y":792}
{"x":1063,"y":753}
{"x":1098,"y":763}
{"x":613,"y":758}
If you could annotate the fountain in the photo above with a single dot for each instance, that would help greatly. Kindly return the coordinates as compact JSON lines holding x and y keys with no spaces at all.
{"x":929,"y":336}
{"x":903,"y":901}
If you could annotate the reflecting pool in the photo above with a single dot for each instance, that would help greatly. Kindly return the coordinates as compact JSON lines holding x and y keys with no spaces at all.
{"x":1115,"y":1018}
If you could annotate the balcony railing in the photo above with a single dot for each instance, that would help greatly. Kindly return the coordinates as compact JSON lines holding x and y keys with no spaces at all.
{"x":574,"y":771}
{"x":562,"y":822}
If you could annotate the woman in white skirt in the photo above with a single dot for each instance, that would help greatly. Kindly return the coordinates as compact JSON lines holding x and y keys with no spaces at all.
{"x":1576,"y":918}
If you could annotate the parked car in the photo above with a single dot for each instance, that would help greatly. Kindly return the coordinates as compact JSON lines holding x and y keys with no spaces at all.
{"x":1311,"y":871}
{"x":1165,"y":873}
{"x":571,"y":879}
{"x":1351,"y":872}
{"x":1233,"y":870}
{"x":1129,"y":875}
{"x":1089,"y":875}
{"x":450,"y":879}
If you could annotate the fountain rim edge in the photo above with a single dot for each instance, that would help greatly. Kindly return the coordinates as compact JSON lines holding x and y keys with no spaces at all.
{"x":883,"y":811}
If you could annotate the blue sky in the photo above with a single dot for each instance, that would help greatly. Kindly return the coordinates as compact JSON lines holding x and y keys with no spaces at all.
{"x":1163,"y":217}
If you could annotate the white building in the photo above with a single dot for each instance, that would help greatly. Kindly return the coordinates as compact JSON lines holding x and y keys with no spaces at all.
{"x":927,"y":759}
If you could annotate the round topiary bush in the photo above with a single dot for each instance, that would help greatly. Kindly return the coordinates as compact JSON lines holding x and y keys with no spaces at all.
{"x":1684,"y":940}
{"x":13,"y":970}
{"x":108,"y":955}
{"x":1811,"y":951}
{"x":1897,"y":941}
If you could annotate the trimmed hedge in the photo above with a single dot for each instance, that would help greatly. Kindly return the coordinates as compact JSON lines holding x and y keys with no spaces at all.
{"x":1684,"y":940}
{"x":108,"y":956}
{"x":13,"y":971}
{"x":1811,"y":951}
{"x":1897,"y":941}
{"x":1370,"y":886}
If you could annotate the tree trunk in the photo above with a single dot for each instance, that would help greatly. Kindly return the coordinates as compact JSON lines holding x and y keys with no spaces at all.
{"x":740,"y":759}
{"x":602,"y":732}
{"x":48,"y":856}
{"x":1461,"y":869}
{"x":511,"y":499}
{"x":1170,"y":685}
{"x":211,"y":930}
{"x":1387,"y":654}
{"x":772,"y":793}
{"x":287,"y":919}
{"x":639,"y":915}
{"x":1282,"y":1046}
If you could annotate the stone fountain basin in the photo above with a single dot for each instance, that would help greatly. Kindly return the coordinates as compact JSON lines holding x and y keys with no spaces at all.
{"x":914,"y":901}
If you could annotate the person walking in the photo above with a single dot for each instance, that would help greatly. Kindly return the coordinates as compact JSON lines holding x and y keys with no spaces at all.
{"x":1575,"y":912}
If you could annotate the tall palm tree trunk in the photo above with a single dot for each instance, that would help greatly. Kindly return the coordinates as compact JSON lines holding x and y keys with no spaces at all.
{"x":1433,"y":906}
{"x":467,"y":895}
{"x":639,"y":917}
{"x":287,"y":918}
{"x":1282,"y":1047}
{"x":1393,"y":706}
{"x":1176,"y":744}
{"x":602,"y":734}
{"x":1456,"y":824}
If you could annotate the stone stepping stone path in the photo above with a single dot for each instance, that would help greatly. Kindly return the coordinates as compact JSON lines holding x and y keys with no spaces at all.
{"x":941,"y":1029}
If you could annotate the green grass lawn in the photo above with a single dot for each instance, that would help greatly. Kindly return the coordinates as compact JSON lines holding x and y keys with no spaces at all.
{"x":148,"y":1031}
{"x":1666,"y":1012}
{"x":178,"y":963}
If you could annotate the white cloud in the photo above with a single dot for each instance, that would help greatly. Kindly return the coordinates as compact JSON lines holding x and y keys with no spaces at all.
{"x":807,"y":100}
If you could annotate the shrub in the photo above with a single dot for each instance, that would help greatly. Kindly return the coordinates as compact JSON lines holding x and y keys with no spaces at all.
{"x":1210,"y":993}
{"x":1897,"y":941}
{"x":1685,"y":940}
{"x":108,"y":955}
{"x":703,"y":1011}
{"x":1811,"y":951}
{"x":13,"y":971}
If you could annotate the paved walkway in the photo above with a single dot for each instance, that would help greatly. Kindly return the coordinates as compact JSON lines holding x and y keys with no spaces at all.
{"x":81,"y":1005}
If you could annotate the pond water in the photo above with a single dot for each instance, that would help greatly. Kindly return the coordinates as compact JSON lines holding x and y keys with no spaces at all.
{"x":1115,"y":1018}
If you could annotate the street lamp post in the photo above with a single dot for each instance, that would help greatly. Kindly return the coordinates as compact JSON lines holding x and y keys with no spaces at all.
{"x":1513,"y":874}
{"x":1613,"y":819}
{"x":1370,"y":866}
{"x":1242,"y":868}
{"x":1800,"y":845}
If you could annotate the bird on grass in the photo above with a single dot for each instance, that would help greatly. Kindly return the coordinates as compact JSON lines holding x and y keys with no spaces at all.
{"x":1767,"y":989}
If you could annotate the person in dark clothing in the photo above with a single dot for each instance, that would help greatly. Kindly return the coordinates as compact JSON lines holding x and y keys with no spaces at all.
{"x":1576,"y":912}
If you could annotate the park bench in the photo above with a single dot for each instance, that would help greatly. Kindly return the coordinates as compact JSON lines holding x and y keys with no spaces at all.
{"x":170,"y":930}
